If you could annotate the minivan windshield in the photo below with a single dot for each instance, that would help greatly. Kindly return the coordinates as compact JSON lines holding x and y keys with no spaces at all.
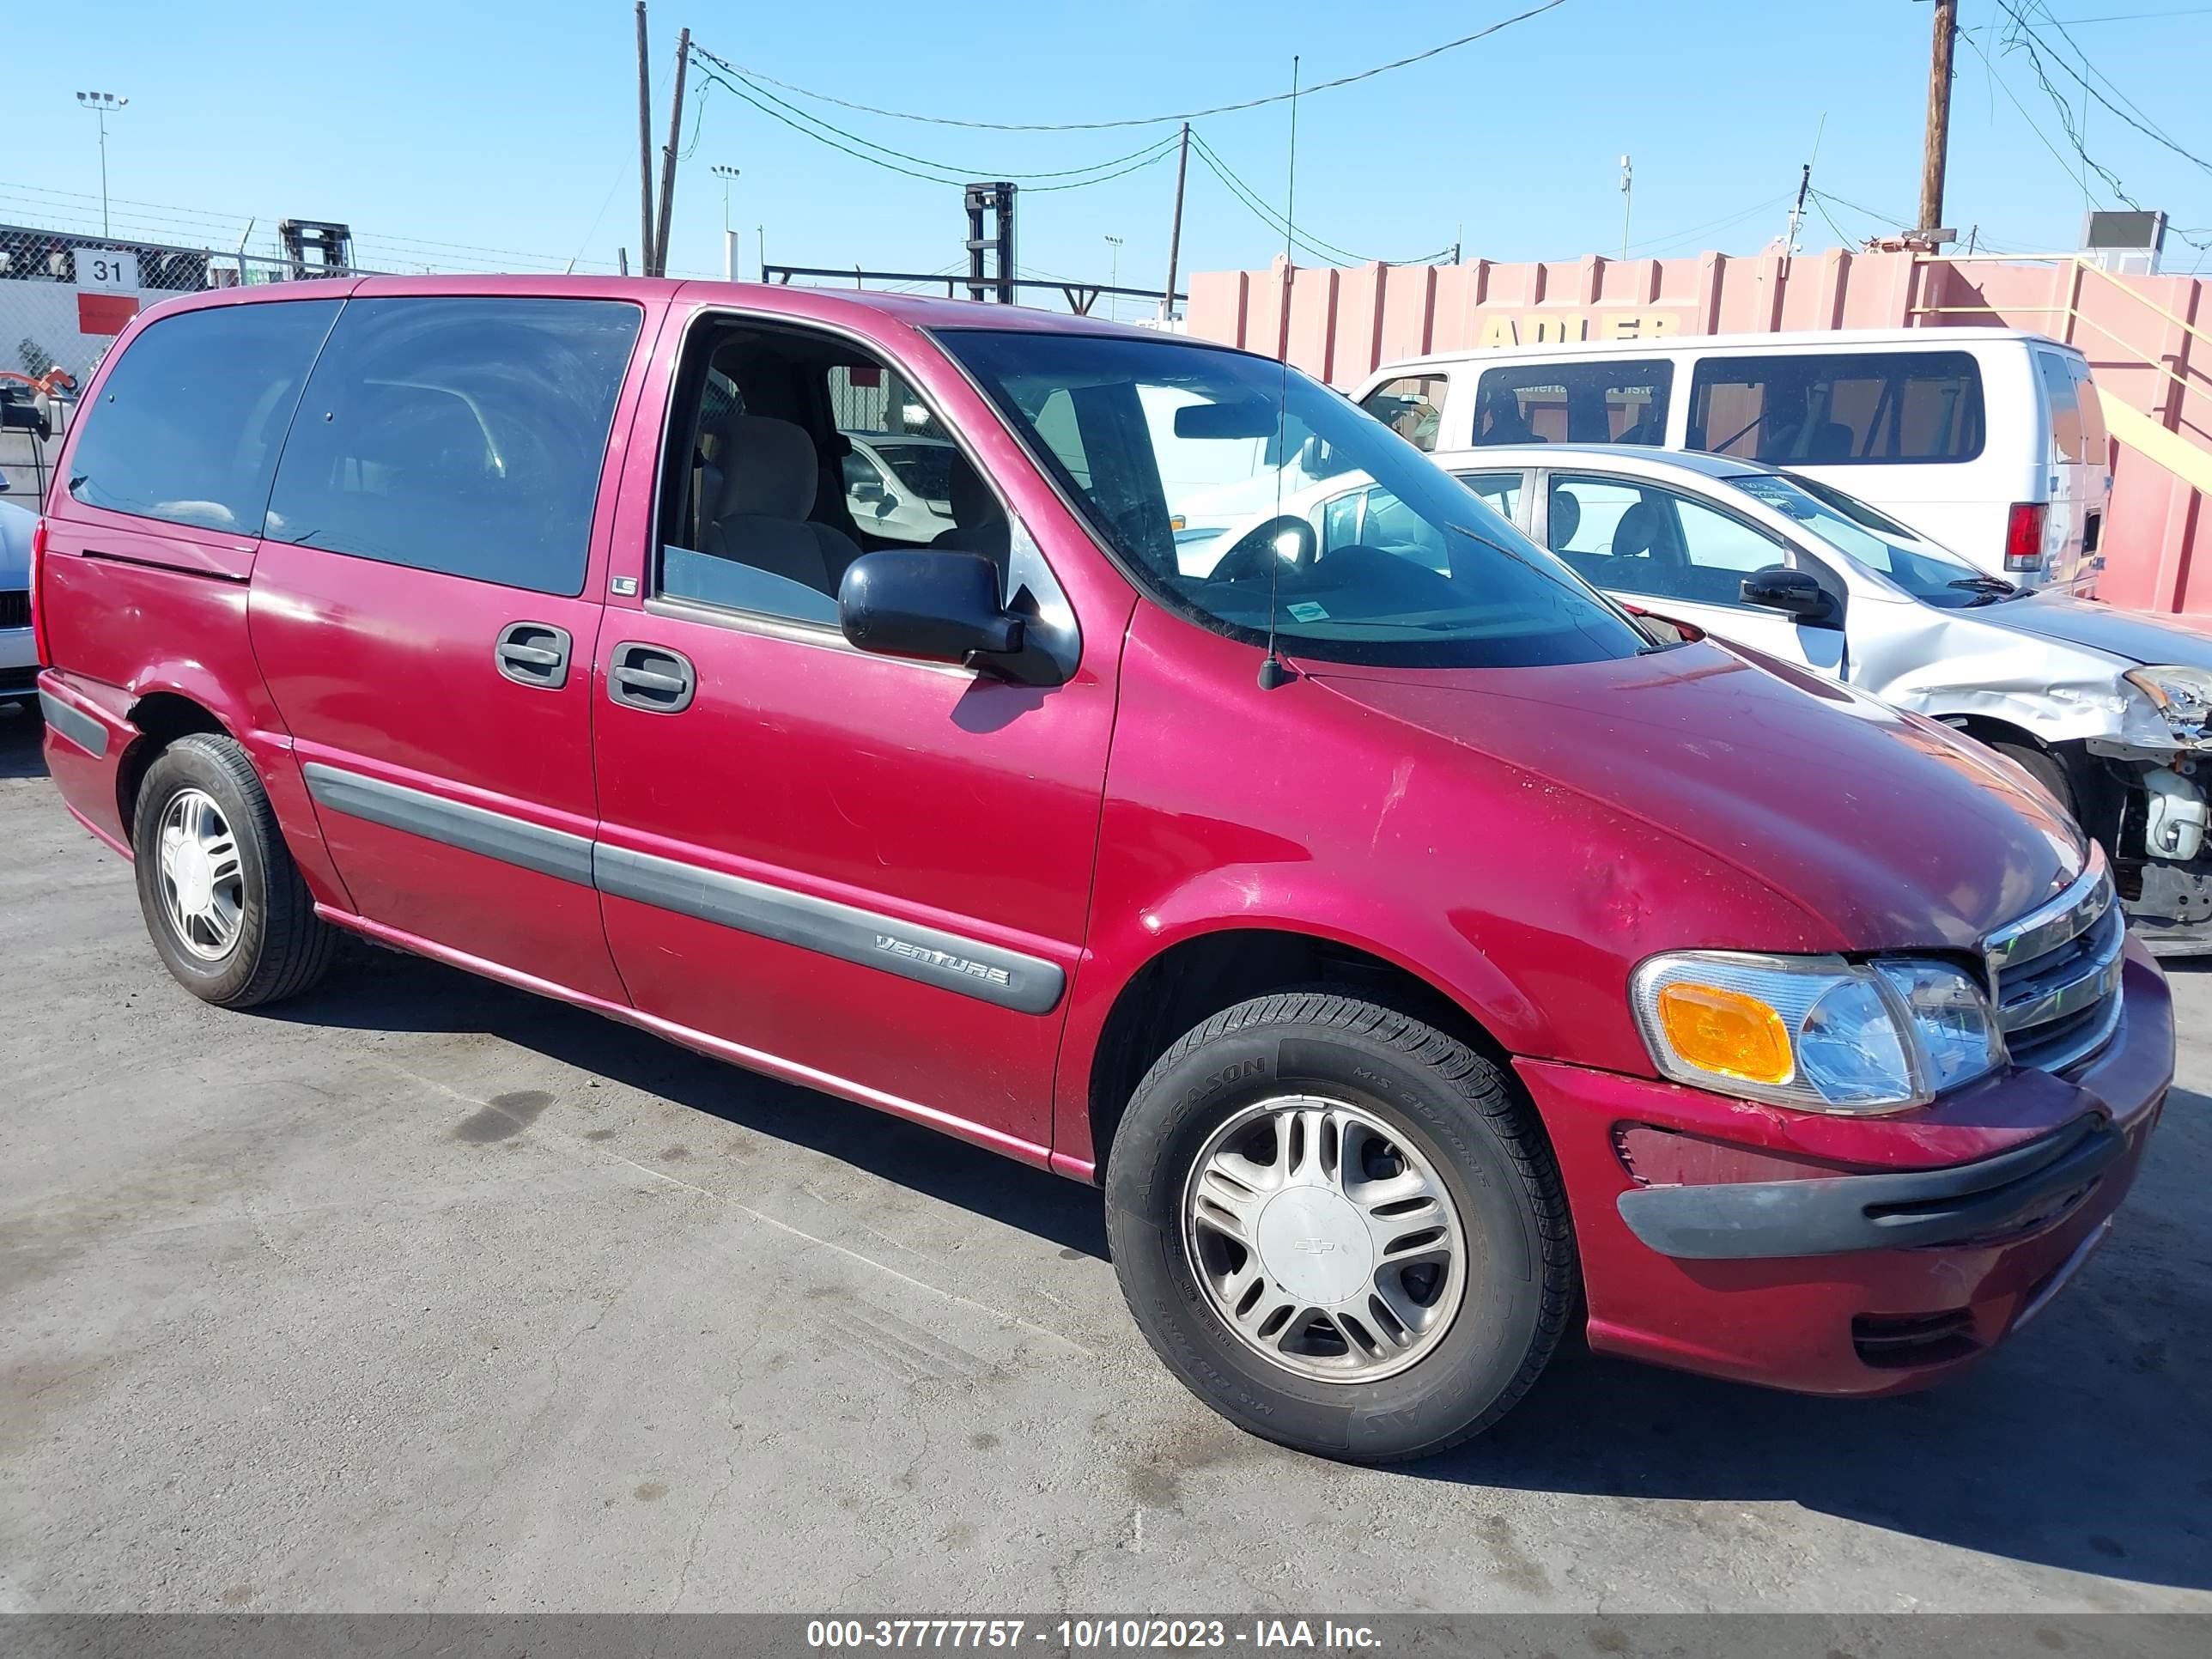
{"x":1208,"y":471}
{"x":1923,"y":569}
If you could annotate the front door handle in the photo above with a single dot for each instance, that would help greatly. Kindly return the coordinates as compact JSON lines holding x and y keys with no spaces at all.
{"x":651,"y":678}
{"x":534,"y":654}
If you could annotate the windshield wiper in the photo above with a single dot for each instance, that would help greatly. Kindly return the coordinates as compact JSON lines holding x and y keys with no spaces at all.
{"x":1992,"y":588}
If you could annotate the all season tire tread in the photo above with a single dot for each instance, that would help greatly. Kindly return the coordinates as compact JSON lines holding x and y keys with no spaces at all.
{"x":291,"y":945}
{"x":1482,"y":1087}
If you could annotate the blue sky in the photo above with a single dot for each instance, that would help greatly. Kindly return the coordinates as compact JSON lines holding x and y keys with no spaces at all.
{"x":510,"y":128}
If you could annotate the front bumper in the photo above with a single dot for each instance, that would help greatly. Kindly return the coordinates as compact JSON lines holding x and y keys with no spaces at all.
{"x":1849,"y":1255}
{"x":2173,"y":912}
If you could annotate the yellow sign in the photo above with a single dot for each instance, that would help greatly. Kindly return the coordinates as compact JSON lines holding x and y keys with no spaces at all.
{"x":1534,"y":328}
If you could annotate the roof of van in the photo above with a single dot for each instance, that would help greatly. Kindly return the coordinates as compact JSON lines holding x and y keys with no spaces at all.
{"x":1621,"y":457}
{"x":1934,"y":339}
{"x":915,"y":311}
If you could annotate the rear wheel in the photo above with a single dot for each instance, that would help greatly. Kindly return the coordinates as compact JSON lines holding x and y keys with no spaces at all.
{"x":224,"y":904}
{"x":1341,"y":1227}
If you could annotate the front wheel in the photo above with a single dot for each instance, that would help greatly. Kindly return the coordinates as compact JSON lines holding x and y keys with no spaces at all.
{"x":224,"y":904}
{"x":1341,"y":1227}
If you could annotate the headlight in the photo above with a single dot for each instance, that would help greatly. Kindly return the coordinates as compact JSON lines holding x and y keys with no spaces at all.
{"x":1815,"y":1032}
{"x":2182,"y":694}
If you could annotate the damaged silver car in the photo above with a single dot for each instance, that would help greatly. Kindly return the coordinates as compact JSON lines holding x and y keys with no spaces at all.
{"x":2110,"y":710}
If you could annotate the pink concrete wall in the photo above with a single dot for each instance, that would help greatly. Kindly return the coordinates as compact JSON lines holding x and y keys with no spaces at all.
{"x":1341,"y":324}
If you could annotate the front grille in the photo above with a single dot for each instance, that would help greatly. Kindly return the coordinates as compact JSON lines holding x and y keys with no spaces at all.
{"x":15,"y":609}
{"x":2055,"y":974}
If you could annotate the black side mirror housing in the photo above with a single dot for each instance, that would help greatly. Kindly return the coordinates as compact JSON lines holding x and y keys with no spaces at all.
{"x":1795,"y":592}
{"x":938,"y":605}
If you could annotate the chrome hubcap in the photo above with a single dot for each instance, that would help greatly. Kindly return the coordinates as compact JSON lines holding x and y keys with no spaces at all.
{"x":202,"y":880}
{"x":1325,"y":1243}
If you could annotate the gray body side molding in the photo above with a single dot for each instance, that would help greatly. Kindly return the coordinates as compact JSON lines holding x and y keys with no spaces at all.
{"x":929,"y":955}
{"x":473,"y":829}
{"x":1010,"y":978}
{"x":79,"y":728}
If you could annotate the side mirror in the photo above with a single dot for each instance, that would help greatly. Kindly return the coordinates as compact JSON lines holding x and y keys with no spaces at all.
{"x":940,"y":606}
{"x":1794,"y":592}
{"x":868,"y":491}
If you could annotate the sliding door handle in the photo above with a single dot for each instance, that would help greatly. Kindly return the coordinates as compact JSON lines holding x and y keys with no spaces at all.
{"x":533,"y":654}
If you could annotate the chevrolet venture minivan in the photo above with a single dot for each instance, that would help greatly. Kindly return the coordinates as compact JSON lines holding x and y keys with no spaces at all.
{"x":1422,"y":958}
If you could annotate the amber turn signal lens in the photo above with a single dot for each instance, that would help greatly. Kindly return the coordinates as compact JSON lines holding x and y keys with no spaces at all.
{"x":1726,"y":1033}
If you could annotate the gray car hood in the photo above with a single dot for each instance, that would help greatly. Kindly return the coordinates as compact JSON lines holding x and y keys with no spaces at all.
{"x":2129,"y":633}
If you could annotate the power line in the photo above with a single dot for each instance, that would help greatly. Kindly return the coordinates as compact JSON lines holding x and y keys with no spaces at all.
{"x":1820,"y":206}
{"x":1855,"y":207}
{"x":939,"y":173}
{"x":2026,"y":37}
{"x":2116,"y":17}
{"x":1146,"y":120}
{"x":1282,"y":227}
{"x":2012,"y":98}
{"x":1142,"y":153}
{"x":1737,"y":217}
{"x":2023,"y":35}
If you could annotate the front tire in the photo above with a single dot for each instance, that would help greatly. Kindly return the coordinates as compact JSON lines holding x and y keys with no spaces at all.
{"x":1341,"y":1227}
{"x":224,"y":904}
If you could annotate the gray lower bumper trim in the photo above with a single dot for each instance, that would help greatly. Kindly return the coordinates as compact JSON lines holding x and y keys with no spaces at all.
{"x":1009,"y":978}
{"x":79,"y":728}
{"x":1833,"y":1216}
{"x":473,"y":829}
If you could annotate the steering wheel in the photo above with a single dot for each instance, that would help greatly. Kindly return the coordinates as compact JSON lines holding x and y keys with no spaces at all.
{"x":1257,"y":549}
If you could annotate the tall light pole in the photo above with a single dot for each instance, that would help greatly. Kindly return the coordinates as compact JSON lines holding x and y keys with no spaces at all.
{"x":727,"y":175}
{"x":1627,"y":201}
{"x":101,"y":104}
{"x":1114,"y":300}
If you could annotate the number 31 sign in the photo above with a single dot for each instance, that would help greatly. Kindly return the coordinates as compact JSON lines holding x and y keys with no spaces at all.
{"x":106,"y":271}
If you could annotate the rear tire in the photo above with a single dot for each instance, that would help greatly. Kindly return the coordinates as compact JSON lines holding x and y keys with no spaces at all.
{"x":224,"y":904}
{"x":1299,"y":1318}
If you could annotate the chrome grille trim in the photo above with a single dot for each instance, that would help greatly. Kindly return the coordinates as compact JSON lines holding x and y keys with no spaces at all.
{"x":2050,"y":924}
{"x":2055,"y":974}
{"x":2072,"y":981}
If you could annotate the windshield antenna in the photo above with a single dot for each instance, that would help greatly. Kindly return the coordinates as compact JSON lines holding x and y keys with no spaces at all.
{"x":1273,"y":671}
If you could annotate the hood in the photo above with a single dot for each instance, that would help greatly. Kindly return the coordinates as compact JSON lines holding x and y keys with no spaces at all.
{"x":1888,"y":831}
{"x":2129,"y":633}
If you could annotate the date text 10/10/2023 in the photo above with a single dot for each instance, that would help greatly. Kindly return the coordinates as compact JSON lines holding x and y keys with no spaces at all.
{"x":1089,"y":1635}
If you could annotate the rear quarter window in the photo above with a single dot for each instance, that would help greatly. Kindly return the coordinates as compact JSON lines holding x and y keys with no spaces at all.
{"x":189,"y":423}
{"x":461,"y":435}
{"x":1574,"y":403}
{"x":1839,"y":408}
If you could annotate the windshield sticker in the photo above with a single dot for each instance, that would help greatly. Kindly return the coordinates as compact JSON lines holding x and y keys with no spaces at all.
{"x":1307,"y":611}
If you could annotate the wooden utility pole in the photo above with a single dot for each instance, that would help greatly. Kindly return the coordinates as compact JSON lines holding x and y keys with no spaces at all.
{"x":1938,"y":147}
{"x":1175,"y":229}
{"x":644,"y":150}
{"x":668,"y":155}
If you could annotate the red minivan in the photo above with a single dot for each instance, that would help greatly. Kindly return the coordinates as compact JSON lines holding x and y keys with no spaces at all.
{"x":1423,"y":953}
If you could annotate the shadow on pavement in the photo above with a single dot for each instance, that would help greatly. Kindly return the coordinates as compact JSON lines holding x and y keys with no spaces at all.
{"x":381,"y":991}
{"x":2084,"y":1444}
{"x":23,"y":734}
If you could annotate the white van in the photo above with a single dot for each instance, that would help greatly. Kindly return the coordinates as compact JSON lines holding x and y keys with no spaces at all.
{"x":1988,"y":440}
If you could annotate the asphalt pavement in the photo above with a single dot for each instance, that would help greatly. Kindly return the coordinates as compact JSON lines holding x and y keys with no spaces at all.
{"x":421,"y":1294}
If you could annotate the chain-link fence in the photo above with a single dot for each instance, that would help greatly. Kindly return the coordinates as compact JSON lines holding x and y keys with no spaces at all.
{"x":63,"y":298}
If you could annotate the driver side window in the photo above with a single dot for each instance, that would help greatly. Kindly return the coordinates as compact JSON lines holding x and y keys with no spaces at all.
{"x":796,"y":455}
